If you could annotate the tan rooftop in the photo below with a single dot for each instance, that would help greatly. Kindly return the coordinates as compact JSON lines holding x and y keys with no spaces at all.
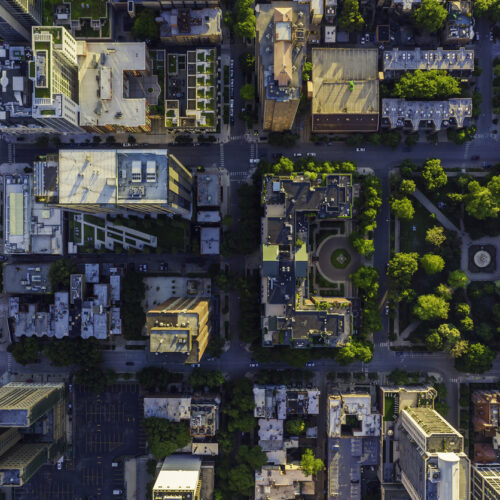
{"x":283,"y":46}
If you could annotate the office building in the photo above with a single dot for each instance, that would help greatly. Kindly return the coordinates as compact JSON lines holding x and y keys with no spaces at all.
{"x":353,"y":431}
{"x":485,"y":482}
{"x":180,"y":325}
{"x":431,"y":456}
{"x":292,"y":314}
{"x":397,"y":62}
{"x":32,"y":429}
{"x":30,"y":227}
{"x":186,"y":26}
{"x":433,"y":115}
{"x":280,"y":51}
{"x":345,"y":95}
{"x":180,"y":477}
{"x":16,"y":92}
{"x":17,"y":17}
{"x":116,"y":87}
{"x":115,"y":180}
{"x":54,"y":72}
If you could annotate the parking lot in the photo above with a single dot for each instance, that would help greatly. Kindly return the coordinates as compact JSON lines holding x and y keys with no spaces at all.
{"x":106,"y":428}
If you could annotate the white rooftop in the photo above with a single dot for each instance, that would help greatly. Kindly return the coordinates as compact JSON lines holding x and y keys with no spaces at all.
{"x":179,"y":473}
{"x":173,"y":409}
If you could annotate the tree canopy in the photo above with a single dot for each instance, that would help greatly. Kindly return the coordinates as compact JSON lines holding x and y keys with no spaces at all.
{"x":155,"y":378}
{"x":487,"y":8}
{"x":254,"y":457}
{"x":403,"y":208}
{"x":431,"y":307}
{"x":435,"y":236}
{"x":407,"y":187}
{"x":350,"y":18}
{"x":432,"y":263}
{"x":477,"y":359}
{"x":239,"y":407}
{"x":402,"y":267}
{"x":310,"y":464}
{"x":59,"y":273}
{"x":164,"y":436}
{"x":458,"y":279}
{"x":244,"y":19}
{"x":145,"y":27}
{"x":247,"y":92}
{"x":366,"y":278}
{"x":483,"y":201}
{"x":353,"y":351}
{"x":431,"y":84}
{"x":430,"y":16}
{"x":295,"y":426}
{"x":25,"y":351}
{"x":200,"y":378}
{"x":74,"y":351}
{"x":434,"y":175}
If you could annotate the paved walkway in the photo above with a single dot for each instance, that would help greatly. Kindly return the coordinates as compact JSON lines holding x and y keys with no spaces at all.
{"x":435,"y":210}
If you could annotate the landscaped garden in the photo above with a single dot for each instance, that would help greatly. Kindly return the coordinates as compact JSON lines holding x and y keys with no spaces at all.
{"x":340,"y":258}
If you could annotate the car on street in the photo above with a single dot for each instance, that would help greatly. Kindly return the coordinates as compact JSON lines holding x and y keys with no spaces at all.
{"x":491,"y":36}
{"x":163,"y":266}
{"x":195,"y":365}
{"x":311,"y":154}
{"x":254,"y":365}
{"x":143,"y":268}
{"x":387,"y":309}
{"x":297,"y":155}
{"x":477,"y":36}
{"x":360,"y":150}
{"x":362,"y":40}
{"x":310,"y":364}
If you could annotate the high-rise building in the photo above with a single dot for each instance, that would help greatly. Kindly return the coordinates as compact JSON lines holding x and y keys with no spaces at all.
{"x":115,"y":180}
{"x":180,"y":325}
{"x":280,"y":48}
{"x":54,"y":71}
{"x":180,"y":477}
{"x":485,"y":482}
{"x":431,"y":456}
{"x":32,"y":429}
{"x":17,"y":17}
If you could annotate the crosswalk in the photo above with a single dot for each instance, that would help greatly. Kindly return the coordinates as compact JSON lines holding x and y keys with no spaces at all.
{"x":454,"y":380}
{"x":221,"y":155}
{"x":382,"y":344}
{"x":238,"y":174}
{"x":11,"y":152}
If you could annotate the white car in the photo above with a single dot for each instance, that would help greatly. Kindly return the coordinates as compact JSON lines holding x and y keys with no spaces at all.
{"x":362,"y":40}
{"x":297,"y":155}
{"x":311,"y":154}
{"x":310,"y":364}
{"x":387,"y":310}
{"x":477,"y":37}
{"x":360,"y":150}
{"x":491,"y":36}
{"x":254,"y":365}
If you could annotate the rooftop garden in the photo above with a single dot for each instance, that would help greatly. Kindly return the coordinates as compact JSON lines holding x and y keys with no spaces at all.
{"x":91,"y":9}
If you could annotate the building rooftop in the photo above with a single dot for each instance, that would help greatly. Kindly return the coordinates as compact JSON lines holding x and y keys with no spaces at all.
{"x":281,"y":33}
{"x":407,"y":60}
{"x":26,"y":278}
{"x":174,"y":409}
{"x":210,"y":240}
{"x":179,"y":473}
{"x":208,"y":189}
{"x":435,"y":114}
{"x":345,"y":90}
{"x":190,"y":22}
{"x":112,"y":177}
{"x":103,"y":96}
{"x":282,"y":482}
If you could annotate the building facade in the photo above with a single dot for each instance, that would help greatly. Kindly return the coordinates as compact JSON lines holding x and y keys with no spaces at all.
{"x":32,"y":429}
{"x":54,"y":72}
{"x":485,"y":482}
{"x":17,"y":17}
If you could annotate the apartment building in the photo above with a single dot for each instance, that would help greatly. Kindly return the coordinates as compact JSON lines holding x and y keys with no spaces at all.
{"x":180,"y":325}
{"x":485,"y":482}
{"x":116,"y":86}
{"x":292,"y":314}
{"x":54,"y":72}
{"x":17,"y":17}
{"x":187,"y":26}
{"x":114,"y":181}
{"x":280,"y":51}
{"x":32,"y":429}
{"x":431,"y":456}
{"x":434,"y":115}
{"x":486,"y":426}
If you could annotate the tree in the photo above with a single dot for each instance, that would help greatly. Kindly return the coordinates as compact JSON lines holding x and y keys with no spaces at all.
{"x":366,"y":278}
{"x":306,"y":71}
{"x":364,"y":246}
{"x":431,"y":307}
{"x":477,"y":359}
{"x":350,"y":18}
{"x":247,"y":61}
{"x":403,"y":208}
{"x":247,"y":92}
{"x":254,"y":457}
{"x":487,"y":8}
{"x":310,"y":464}
{"x":433,"y":341}
{"x":402,"y":267}
{"x":434,"y":175}
{"x":155,"y":378}
{"x":200,"y":378}
{"x":407,"y":187}
{"x":295,"y":427}
{"x":241,"y":480}
{"x":430,"y":16}
{"x":74,"y":351}
{"x":59,"y":274}
{"x":483,"y":201}
{"x":352,"y":351}
{"x":432,"y":84}
{"x":457,"y":279}
{"x":244,"y":19}
{"x":432,"y":263}
{"x":164,"y":436}
{"x":444,"y":291}
{"x":435,"y":236}
{"x":25,"y":351}
{"x":95,"y":378}
{"x":145,"y":27}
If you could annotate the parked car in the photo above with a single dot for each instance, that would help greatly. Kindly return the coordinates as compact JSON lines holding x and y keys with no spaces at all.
{"x":310,"y":364}
{"x":297,"y":155}
{"x":311,"y":154}
{"x":387,"y":309}
{"x":360,"y":150}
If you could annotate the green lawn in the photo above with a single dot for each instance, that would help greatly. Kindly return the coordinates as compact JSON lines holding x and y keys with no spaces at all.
{"x":88,"y":233}
{"x":340,"y":258}
{"x":93,"y":219}
{"x":389,"y":409}
{"x":414,"y":241}
{"x":75,"y":230}
{"x":101,"y":235}
{"x":96,"y":9}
